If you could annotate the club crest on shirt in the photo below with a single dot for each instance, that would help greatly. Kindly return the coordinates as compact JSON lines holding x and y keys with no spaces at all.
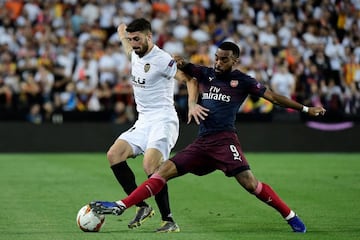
{"x":234,"y":83}
{"x":147,"y":67}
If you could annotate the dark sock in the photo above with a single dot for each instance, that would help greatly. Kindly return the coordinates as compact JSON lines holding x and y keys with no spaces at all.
{"x":126,"y":178}
{"x":162,"y":200}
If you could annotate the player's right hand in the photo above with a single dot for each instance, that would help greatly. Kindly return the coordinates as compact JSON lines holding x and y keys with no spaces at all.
{"x":316,"y":111}
{"x":197,"y":112}
{"x":122,"y":30}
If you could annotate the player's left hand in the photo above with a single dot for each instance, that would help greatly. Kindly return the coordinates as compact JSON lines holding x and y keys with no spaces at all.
{"x":180,"y":61}
{"x":316,"y":111}
{"x":197,"y":112}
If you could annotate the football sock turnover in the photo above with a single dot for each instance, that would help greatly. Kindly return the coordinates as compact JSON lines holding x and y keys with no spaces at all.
{"x":149,"y":188}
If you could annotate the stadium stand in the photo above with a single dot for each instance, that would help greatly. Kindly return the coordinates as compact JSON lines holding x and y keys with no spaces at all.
{"x":60,"y":60}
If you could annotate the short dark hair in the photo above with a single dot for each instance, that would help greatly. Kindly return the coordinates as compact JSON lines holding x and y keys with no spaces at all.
{"x":230,"y":46}
{"x":139,"y":25}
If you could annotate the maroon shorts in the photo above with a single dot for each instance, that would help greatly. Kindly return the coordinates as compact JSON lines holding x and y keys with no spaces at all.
{"x":219,"y":151}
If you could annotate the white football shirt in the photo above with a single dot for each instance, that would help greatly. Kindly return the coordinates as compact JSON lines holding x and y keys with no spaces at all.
{"x":153,"y":80}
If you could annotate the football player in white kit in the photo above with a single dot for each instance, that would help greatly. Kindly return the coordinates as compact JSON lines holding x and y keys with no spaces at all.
{"x":156,"y":130}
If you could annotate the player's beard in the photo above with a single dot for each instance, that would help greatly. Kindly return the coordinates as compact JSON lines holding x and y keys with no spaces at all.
{"x":219,"y":71}
{"x":142,"y":50}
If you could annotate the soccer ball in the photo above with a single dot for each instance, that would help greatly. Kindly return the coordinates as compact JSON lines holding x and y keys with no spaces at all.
{"x":89,"y":221}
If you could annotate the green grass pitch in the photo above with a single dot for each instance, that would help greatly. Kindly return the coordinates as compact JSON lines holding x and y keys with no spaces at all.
{"x":41,"y":194}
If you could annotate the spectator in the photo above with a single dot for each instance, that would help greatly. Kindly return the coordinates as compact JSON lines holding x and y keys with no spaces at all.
{"x":173,"y":45}
{"x":120,"y":115}
{"x":143,"y":6}
{"x":9,"y":80}
{"x":32,"y":10}
{"x":220,"y":8}
{"x":67,"y":101}
{"x":30,"y":91}
{"x":107,"y":67}
{"x":198,"y":9}
{"x":182,"y":29}
{"x":14,"y":7}
{"x":65,"y":60}
{"x":264,"y":17}
{"x":284,"y":33}
{"x":123,"y":92}
{"x":315,"y":96}
{"x":34,"y":115}
{"x":352,"y":100}
{"x":202,"y":56}
{"x":104,"y":94}
{"x":268,"y":37}
{"x":72,"y":36}
{"x":283,"y":82}
{"x":5,"y":94}
{"x":90,"y":12}
{"x":107,"y":13}
{"x":336,"y":53}
{"x":246,"y":28}
{"x":160,"y":7}
{"x":27,"y":58}
{"x":246,"y":10}
{"x":130,"y":7}
{"x":334,"y":100}
{"x":86,"y":66}
{"x":321,"y":61}
{"x":223,"y":30}
{"x":77,"y":20}
{"x":11,"y":89}
{"x":351,"y":71}
{"x":45,"y":79}
{"x":120,"y":17}
{"x":122,"y":66}
{"x":87,"y":98}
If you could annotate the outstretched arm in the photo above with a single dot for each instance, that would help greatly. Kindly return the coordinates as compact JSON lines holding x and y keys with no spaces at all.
{"x":124,"y":40}
{"x":288,"y":103}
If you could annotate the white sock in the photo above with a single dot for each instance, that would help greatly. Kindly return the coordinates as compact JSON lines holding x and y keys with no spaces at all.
{"x":290,"y":216}
{"x":120,"y":203}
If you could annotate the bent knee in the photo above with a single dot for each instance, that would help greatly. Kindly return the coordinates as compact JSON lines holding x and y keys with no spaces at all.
{"x":247,"y":180}
{"x":151,"y":165}
{"x":251,"y":186}
{"x":111,"y":156}
{"x":168,"y":170}
{"x":118,"y":153}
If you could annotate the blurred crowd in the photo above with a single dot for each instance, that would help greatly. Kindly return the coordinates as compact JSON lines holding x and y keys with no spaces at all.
{"x":64,"y":56}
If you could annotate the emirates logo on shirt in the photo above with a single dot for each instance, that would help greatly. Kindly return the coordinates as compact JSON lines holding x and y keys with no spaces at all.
{"x":234,"y":83}
{"x":147,"y":67}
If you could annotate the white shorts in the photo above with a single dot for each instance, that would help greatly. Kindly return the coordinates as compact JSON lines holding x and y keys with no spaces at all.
{"x":159,"y":131}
